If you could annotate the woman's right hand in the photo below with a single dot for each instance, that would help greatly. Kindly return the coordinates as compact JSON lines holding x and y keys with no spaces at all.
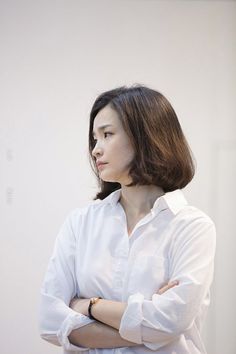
{"x":167,"y":286}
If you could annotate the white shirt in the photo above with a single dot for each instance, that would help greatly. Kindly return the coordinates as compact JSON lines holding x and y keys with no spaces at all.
{"x":94,"y":256}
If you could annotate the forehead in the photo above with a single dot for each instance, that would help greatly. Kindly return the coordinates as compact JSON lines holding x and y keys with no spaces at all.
{"x":106,"y":116}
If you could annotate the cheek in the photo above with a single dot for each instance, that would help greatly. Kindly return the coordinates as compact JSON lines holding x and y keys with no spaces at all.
{"x":122,"y":158}
{"x":120,"y":152}
{"x":127,"y":152}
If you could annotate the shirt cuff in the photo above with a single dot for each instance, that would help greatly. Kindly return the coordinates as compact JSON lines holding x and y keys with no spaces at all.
{"x":130,"y":326}
{"x":72,"y":321}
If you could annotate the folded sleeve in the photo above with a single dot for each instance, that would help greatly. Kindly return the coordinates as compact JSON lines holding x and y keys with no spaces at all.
{"x":56,"y":318}
{"x":165,"y":317}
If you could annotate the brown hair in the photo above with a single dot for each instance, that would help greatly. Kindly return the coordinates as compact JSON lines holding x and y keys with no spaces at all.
{"x":162,"y":155}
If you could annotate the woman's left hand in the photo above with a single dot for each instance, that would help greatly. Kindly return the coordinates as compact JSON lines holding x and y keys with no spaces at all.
{"x":80,"y":305}
{"x":167,"y":286}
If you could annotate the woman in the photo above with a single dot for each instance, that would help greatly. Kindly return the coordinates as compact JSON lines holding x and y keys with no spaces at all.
{"x":100,"y":293}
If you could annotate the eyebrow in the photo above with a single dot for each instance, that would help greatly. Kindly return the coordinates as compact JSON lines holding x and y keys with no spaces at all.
{"x":102,"y":127}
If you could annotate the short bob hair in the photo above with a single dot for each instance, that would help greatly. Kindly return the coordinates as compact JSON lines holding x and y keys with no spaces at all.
{"x":162,"y":156}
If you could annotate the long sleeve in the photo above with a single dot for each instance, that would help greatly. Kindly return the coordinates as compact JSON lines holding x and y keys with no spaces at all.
{"x":165,"y":317}
{"x":56,"y":319}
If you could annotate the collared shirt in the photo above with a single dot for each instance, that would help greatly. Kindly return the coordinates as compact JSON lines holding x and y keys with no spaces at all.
{"x":95,"y":256}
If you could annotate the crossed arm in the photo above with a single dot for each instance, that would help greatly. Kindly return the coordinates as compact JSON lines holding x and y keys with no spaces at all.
{"x":103,"y":334}
{"x":98,"y":335}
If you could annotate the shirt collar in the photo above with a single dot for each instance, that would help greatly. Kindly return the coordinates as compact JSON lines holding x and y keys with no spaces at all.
{"x":113,"y":198}
{"x":174,"y":201}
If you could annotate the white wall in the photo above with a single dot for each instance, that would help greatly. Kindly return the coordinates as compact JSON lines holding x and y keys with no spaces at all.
{"x":56,"y":56}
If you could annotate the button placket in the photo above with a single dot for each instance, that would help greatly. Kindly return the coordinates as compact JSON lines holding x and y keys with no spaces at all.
{"x":120,"y":265}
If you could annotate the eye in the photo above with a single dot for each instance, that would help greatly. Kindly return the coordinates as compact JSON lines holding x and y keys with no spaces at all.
{"x":106,"y":134}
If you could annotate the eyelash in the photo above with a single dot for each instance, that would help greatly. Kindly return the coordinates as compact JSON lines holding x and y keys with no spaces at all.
{"x":107,"y":133}
{"x":95,"y":140}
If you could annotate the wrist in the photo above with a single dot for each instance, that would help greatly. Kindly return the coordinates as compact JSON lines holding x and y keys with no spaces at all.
{"x":91,"y":304}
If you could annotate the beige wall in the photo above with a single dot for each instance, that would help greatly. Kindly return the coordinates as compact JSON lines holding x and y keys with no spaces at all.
{"x":56,"y":56}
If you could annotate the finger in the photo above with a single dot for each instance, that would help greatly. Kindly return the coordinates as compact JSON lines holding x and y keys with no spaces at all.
{"x":164,"y":289}
{"x":167,"y":286}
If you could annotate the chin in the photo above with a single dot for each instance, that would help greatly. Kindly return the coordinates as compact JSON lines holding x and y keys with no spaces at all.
{"x":111,"y":179}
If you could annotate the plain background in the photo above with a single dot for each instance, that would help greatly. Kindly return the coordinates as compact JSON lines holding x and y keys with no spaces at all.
{"x":56,"y":57}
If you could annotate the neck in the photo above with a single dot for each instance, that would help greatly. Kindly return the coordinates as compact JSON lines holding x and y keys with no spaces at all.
{"x":137,"y":200}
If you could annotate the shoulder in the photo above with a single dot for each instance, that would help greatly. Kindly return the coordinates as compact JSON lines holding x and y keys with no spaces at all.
{"x":77,"y":221}
{"x":190,"y":214}
{"x":86,"y":213}
{"x":188,"y":223}
{"x":183,"y":214}
{"x":193,"y":226}
{"x":96,"y":208}
{"x":91,"y":207}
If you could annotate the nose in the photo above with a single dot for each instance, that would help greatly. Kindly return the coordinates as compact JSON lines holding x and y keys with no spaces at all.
{"x":97,"y":150}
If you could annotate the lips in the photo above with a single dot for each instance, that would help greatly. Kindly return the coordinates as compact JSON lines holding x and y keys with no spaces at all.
{"x":99,"y":164}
